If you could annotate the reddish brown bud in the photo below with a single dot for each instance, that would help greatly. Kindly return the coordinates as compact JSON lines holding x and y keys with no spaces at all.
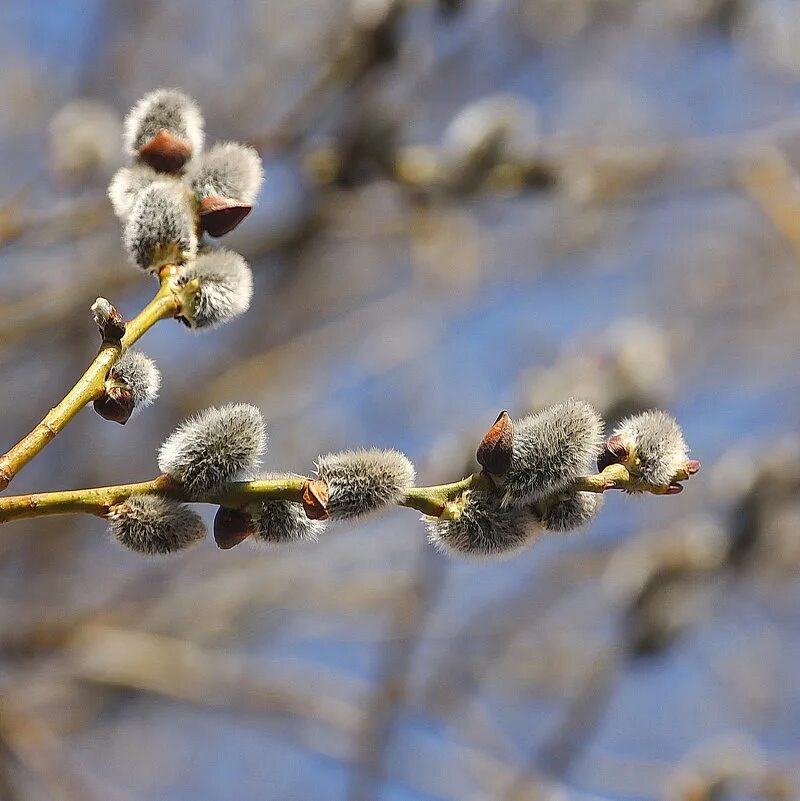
{"x":110,"y":322}
{"x":315,"y":500}
{"x":165,"y":152}
{"x":6,"y":473}
{"x":494,"y":452}
{"x":687,"y":470}
{"x":674,"y":488}
{"x":613,"y":452}
{"x":231,"y":527}
{"x":116,"y":405}
{"x":219,"y":215}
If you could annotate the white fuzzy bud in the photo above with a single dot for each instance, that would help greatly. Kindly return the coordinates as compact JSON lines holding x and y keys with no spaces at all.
{"x":552,"y":448}
{"x":362,"y":481}
{"x":139,"y":374}
{"x":174,"y":117}
{"x":225,"y":287}
{"x":484,"y":529}
{"x":214,"y":447}
{"x":284,"y":521}
{"x":110,"y":322}
{"x":102,"y":311}
{"x":573,"y":512}
{"x":126,"y":184}
{"x":656,"y":447}
{"x":160,"y":228}
{"x":228,"y":170}
{"x":151,"y":524}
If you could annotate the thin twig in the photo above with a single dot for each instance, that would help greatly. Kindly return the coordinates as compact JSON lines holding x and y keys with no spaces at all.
{"x":179,"y":669}
{"x":434,"y":501}
{"x":36,"y":746}
{"x":406,"y":628}
{"x":91,"y":385}
{"x":772,"y":183}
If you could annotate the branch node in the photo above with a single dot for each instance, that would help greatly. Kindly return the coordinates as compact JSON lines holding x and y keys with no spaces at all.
{"x":6,"y":474}
{"x":315,"y":500}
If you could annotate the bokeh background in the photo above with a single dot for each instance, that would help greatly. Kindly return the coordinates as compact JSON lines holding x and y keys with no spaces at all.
{"x":619,"y":221}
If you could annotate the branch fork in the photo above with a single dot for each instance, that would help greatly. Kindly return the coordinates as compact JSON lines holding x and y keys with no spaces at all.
{"x":91,"y":386}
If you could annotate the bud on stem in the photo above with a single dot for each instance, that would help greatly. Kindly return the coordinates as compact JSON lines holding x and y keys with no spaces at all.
{"x":220,"y":215}
{"x":165,"y":152}
{"x":232,"y":527}
{"x":110,"y":322}
{"x":614,"y":452}
{"x":116,"y":405}
{"x":315,"y":500}
{"x":495,"y":450}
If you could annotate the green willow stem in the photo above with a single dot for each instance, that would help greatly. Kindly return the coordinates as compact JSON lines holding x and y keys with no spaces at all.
{"x":432,"y":501}
{"x":99,"y":500}
{"x":91,"y":385}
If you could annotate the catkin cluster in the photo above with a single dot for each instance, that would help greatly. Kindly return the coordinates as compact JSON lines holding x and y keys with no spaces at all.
{"x":533,"y":466}
{"x":170,"y":196}
{"x":535,"y":475}
{"x":174,"y":192}
{"x":221,"y":445}
{"x":529,"y":485}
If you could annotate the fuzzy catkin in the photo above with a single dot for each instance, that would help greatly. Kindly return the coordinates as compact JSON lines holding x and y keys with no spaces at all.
{"x":127,"y":183}
{"x":160,"y":228}
{"x":214,"y":447}
{"x":102,"y":311}
{"x":485,"y":529}
{"x":140,"y":374}
{"x":152,"y":524}
{"x":224,"y":292}
{"x":656,"y":444}
{"x":168,"y":110}
{"x":228,"y":170}
{"x":362,"y":481}
{"x":574,"y":512}
{"x":284,"y":521}
{"x":552,"y":448}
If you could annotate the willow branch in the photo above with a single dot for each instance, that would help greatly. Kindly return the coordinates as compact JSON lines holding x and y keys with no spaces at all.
{"x":433,"y":501}
{"x":771,"y":183}
{"x":91,"y":385}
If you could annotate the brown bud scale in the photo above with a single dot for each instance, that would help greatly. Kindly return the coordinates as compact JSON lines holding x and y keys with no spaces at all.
{"x":614,"y":452}
{"x":232,"y":527}
{"x":114,"y":329}
{"x":165,"y":152}
{"x":315,"y":500}
{"x":219,"y":215}
{"x":116,"y":405}
{"x":494,"y":452}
